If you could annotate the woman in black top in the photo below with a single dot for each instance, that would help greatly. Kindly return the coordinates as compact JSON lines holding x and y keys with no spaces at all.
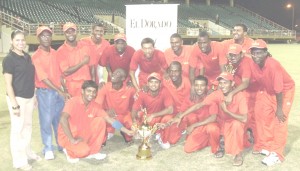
{"x":19,"y":73}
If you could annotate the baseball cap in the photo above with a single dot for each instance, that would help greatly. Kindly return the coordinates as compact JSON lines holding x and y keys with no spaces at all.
{"x":259,"y":44}
{"x":120,"y":36}
{"x":234,"y":49}
{"x":154,"y":75}
{"x":226,"y":76}
{"x":69,"y":25}
{"x":40,"y":29}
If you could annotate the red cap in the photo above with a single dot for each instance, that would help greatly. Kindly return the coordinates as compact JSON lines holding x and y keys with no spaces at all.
{"x":234,"y":49}
{"x":154,"y":75}
{"x":69,"y":25}
{"x":40,"y":29}
{"x":259,"y":44}
{"x":225,"y":75}
{"x":120,"y":36}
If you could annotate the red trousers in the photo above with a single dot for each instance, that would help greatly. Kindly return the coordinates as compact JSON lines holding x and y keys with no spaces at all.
{"x":203,"y":136}
{"x":233,"y":131}
{"x":250,"y":124}
{"x":92,"y":136}
{"x":272,"y":134}
{"x":126,"y":121}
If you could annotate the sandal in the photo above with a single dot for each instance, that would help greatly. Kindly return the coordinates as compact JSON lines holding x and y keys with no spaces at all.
{"x":238,"y":160}
{"x":220,"y":153}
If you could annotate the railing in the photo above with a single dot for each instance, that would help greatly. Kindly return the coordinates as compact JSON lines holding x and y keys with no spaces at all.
{"x":30,"y":29}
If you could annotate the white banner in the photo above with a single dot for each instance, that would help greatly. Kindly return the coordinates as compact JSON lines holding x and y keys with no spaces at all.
{"x":157,"y":21}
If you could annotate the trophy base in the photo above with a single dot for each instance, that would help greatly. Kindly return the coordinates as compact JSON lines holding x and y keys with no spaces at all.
{"x":144,"y":154}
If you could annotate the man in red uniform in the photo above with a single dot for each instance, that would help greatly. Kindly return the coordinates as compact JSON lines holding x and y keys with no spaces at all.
{"x":179,"y":87}
{"x":239,"y":65}
{"x":201,"y":125}
{"x":82,"y":125}
{"x":158,"y":103}
{"x":209,"y":56}
{"x":240,"y":37}
{"x":179,"y":52}
{"x":49,"y":94}
{"x":117,"y":99}
{"x":231,"y":117}
{"x":273,"y":103}
{"x":74,"y":61}
{"x":96,"y":45}
{"x":149,"y":60}
{"x":118,"y":55}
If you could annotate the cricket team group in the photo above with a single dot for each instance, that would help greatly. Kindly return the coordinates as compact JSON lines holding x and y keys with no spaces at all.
{"x":227,"y":96}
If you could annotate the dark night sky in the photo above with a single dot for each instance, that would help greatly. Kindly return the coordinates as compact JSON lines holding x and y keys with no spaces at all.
{"x":272,"y":9}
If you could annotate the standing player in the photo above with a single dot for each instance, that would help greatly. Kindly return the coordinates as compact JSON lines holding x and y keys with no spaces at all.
{"x":209,"y":56}
{"x":159,"y":105}
{"x":273,"y":103}
{"x":117,"y":99}
{"x":74,"y":61}
{"x":96,"y":45}
{"x":149,"y":60}
{"x":49,"y":94}
{"x":240,"y":37}
{"x":117,"y":56}
{"x":179,"y":52}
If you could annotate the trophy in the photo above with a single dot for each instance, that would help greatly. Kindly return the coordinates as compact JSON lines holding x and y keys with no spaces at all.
{"x":145,"y":131}
{"x":230,"y":68}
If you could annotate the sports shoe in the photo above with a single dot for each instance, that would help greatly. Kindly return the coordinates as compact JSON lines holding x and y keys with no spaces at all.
{"x":33,"y":156}
{"x":157,"y":137}
{"x":262,"y":152}
{"x":109,"y":136}
{"x":97,"y":156}
{"x":25,"y":167}
{"x":163,"y":145}
{"x":183,"y":132}
{"x":271,"y":159}
{"x":69,"y":159}
{"x":49,"y":155}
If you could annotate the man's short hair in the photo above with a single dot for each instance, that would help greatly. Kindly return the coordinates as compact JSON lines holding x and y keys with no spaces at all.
{"x":89,"y":83}
{"x":203,"y":34}
{"x":147,"y":40}
{"x":176,"y":63}
{"x":202,"y":78}
{"x":245,"y":28}
{"x":176,"y":35}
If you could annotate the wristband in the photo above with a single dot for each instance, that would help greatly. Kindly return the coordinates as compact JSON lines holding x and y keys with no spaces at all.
{"x":16,"y":107}
{"x":117,"y":125}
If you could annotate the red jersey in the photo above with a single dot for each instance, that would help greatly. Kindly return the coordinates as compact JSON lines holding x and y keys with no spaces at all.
{"x":120,"y":101}
{"x":153,"y":104}
{"x":95,"y":50}
{"x":272,"y":77}
{"x":210,"y":62}
{"x":238,"y":104}
{"x":46,"y":67}
{"x":178,"y":94}
{"x":112,"y":58}
{"x":69,"y":56}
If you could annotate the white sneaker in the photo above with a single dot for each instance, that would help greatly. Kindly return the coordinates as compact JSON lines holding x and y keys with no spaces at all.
{"x":97,"y":156}
{"x":109,"y":136}
{"x":265,"y":152}
{"x":33,"y":156}
{"x":157,"y":137}
{"x":271,"y":159}
{"x":71,"y":160}
{"x":49,"y":155}
{"x":183,"y":132}
{"x":163,"y":145}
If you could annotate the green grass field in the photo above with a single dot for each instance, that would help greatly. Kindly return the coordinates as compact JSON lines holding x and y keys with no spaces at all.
{"x":122,"y":157}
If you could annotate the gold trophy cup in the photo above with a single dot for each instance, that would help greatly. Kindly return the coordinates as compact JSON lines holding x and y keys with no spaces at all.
{"x":145,"y":131}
